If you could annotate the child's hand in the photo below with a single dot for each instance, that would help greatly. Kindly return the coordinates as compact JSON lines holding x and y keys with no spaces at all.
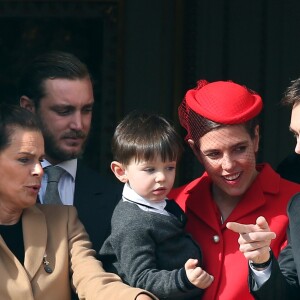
{"x":196,"y":275}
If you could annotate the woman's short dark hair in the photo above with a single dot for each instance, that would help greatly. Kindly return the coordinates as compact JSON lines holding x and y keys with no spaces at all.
{"x":143,"y":136}
{"x":199,"y":126}
{"x":12,"y":117}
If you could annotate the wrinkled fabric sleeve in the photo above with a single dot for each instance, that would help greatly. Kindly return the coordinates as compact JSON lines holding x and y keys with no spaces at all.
{"x":89,"y":279}
{"x":134,"y":245}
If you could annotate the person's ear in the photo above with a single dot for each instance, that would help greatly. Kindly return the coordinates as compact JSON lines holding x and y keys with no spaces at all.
{"x":195,"y":149}
{"x":27,"y":103}
{"x":119,"y":171}
{"x":256,"y":138}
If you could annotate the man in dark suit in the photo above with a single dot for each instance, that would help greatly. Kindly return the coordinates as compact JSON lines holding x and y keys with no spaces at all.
{"x":57,"y":87}
{"x":95,"y":199}
{"x":269,"y":278}
{"x":289,"y":167}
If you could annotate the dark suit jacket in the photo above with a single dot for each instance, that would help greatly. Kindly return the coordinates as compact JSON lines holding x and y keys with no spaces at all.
{"x":289,"y":168}
{"x":285,"y":274}
{"x":95,"y":198}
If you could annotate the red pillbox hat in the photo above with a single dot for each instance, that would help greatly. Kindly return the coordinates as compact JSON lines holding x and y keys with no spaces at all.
{"x":224,"y":102}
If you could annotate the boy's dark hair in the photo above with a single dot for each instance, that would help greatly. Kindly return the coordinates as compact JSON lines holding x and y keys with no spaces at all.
{"x":50,"y":65}
{"x":11,"y":117}
{"x":145,"y":136}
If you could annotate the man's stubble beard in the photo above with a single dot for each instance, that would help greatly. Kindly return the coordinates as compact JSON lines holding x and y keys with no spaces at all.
{"x":56,"y":153}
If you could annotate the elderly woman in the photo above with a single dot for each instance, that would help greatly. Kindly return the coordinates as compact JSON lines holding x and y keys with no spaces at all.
{"x":221,"y":119}
{"x":41,"y":246}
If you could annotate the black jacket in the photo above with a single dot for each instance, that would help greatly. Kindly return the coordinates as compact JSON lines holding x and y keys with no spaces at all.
{"x":95,"y":198}
{"x":285,"y":274}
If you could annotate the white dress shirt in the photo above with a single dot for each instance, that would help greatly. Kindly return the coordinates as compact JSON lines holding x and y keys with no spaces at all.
{"x":66,"y":184}
{"x":262,"y":276}
{"x":131,"y":196}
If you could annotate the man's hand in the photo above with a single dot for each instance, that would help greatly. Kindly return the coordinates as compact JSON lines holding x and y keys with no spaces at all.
{"x":254,"y":239}
{"x":196,"y":275}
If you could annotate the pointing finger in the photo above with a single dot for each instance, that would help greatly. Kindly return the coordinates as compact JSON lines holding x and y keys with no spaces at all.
{"x":240,"y":228}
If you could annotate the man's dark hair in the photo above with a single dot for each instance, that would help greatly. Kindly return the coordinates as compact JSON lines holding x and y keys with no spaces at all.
{"x":292,"y":94}
{"x":50,"y":65}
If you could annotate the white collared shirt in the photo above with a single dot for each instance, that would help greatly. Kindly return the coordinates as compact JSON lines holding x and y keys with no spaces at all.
{"x":131,"y":196}
{"x":66,"y":184}
{"x":260,"y":277}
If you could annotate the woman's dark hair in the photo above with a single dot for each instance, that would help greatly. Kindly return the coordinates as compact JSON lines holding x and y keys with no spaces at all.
{"x":11,"y":117}
{"x":199,"y":126}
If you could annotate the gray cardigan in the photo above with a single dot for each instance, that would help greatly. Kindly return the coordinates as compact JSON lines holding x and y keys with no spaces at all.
{"x":148,"y":250}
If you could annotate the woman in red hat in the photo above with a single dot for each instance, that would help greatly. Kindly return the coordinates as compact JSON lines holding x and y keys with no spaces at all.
{"x":221,"y":119}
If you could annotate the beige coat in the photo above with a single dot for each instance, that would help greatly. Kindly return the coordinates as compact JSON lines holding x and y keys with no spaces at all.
{"x":55,"y":231}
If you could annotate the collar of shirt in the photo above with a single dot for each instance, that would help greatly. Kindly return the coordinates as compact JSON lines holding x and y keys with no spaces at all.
{"x":131,"y":196}
{"x":69,"y":166}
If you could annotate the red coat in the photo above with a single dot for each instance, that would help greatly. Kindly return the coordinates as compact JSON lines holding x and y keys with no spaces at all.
{"x":268,"y":196}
